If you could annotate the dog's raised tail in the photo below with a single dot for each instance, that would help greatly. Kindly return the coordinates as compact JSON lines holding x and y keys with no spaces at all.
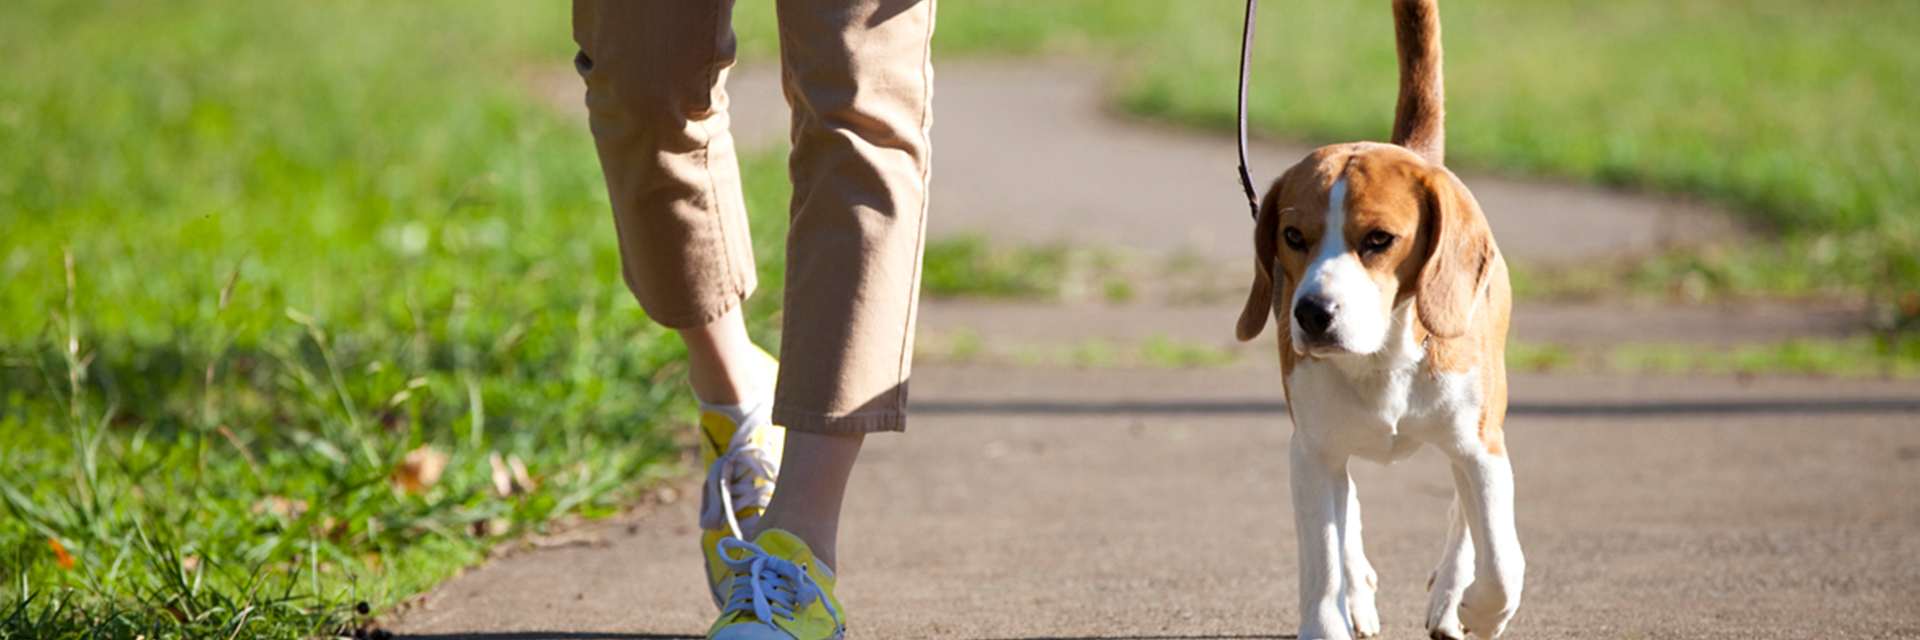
{"x":1419,"y":121}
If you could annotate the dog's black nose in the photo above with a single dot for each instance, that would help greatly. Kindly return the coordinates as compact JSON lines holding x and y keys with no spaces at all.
{"x":1313,"y":315}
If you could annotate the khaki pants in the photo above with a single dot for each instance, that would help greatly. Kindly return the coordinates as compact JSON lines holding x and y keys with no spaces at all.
{"x":858,"y":76}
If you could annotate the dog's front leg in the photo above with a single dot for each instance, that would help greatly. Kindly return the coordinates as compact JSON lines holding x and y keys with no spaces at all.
{"x":1450,"y":578}
{"x":1498,"y":566}
{"x":1320,"y":498}
{"x":1361,"y":579}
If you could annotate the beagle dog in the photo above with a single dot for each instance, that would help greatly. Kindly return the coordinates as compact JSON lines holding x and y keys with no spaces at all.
{"x":1392,"y":299}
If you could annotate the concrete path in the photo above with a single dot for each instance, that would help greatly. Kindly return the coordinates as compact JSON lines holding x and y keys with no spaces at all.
{"x":1034,"y":504}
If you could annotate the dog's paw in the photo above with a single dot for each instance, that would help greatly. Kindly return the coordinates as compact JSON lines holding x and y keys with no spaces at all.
{"x":1444,"y":588}
{"x":1443,"y":618}
{"x":1485,"y":610}
{"x":1360,"y":608}
{"x":1366,"y":621}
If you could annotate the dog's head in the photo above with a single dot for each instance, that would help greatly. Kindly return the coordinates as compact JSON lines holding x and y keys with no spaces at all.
{"x":1356,"y":230}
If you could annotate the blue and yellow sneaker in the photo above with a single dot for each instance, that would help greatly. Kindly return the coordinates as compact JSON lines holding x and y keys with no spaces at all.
{"x":777,"y":591}
{"x":740,"y":447}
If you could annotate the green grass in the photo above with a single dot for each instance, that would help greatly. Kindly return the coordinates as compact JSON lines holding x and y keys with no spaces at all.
{"x":305,"y":240}
{"x":964,"y":346}
{"x":1886,"y":356}
{"x":970,"y":266}
{"x":1890,"y":357}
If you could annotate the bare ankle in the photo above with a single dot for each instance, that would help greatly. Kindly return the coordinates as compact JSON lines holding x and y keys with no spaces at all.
{"x":813,"y":480}
{"x":723,"y":365}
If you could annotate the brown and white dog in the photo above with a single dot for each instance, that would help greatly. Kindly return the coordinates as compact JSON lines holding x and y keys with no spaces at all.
{"x":1393,"y":299}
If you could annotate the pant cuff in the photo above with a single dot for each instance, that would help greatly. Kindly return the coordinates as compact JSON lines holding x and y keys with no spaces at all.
{"x":834,"y":425}
{"x":696,"y":319}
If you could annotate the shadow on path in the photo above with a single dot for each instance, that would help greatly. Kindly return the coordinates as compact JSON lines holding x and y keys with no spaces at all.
{"x":1285,"y":637}
{"x":565,"y":635}
{"x":549,"y":635}
{"x":1864,"y":406}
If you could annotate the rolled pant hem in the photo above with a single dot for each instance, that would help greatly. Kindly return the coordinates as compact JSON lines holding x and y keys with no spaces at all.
{"x":679,"y":322}
{"x":848,"y":424}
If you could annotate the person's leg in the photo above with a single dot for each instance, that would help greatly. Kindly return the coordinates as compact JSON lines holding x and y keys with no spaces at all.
{"x":655,"y":72}
{"x":813,"y":481}
{"x":723,"y":365}
{"x":858,"y":76}
{"x":860,"y":79}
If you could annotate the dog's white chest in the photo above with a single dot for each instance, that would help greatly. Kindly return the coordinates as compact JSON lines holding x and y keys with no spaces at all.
{"x":1379,"y":413}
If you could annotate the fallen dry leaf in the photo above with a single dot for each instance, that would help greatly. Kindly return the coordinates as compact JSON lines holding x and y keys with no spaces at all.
{"x":60,"y":554}
{"x":281,"y":507}
{"x":419,"y":469}
{"x":520,"y":475}
{"x":502,"y":479}
{"x":490,"y":527}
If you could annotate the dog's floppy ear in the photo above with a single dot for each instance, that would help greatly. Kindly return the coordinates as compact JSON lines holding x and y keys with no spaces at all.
{"x":1253,"y":319}
{"x":1460,"y":257}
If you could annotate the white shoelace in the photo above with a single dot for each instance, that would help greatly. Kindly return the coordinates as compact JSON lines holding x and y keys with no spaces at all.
{"x":774,"y":586}
{"x":742,"y":477}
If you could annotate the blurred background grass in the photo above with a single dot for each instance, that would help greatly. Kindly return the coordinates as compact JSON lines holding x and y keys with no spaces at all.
{"x":308,"y":239}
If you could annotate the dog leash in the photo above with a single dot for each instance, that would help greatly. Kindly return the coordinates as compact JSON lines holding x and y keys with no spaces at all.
{"x":1246,"y":61}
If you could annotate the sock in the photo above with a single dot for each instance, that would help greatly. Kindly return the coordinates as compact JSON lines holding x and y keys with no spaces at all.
{"x":736,"y":412}
{"x":756,"y":406}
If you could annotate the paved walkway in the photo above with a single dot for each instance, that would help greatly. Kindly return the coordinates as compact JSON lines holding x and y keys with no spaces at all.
{"x":1057,"y":503}
{"x":1033,"y":504}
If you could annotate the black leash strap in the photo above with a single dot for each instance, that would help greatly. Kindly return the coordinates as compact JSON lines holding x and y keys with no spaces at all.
{"x":1246,"y":61}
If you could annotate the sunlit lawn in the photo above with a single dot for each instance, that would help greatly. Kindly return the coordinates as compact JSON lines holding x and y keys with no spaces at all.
{"x":305,"y":240}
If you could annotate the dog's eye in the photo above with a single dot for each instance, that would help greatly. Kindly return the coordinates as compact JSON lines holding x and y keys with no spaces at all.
{"x":1294,"y":240}
{"x":1377,"y":241}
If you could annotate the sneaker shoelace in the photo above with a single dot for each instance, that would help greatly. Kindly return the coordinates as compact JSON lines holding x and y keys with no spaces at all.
{"x":774,"y":586}
{"x":743,"y":477}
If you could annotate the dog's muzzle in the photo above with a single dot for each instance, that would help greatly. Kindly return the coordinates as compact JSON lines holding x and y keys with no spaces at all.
{"x":1314,"y":316}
